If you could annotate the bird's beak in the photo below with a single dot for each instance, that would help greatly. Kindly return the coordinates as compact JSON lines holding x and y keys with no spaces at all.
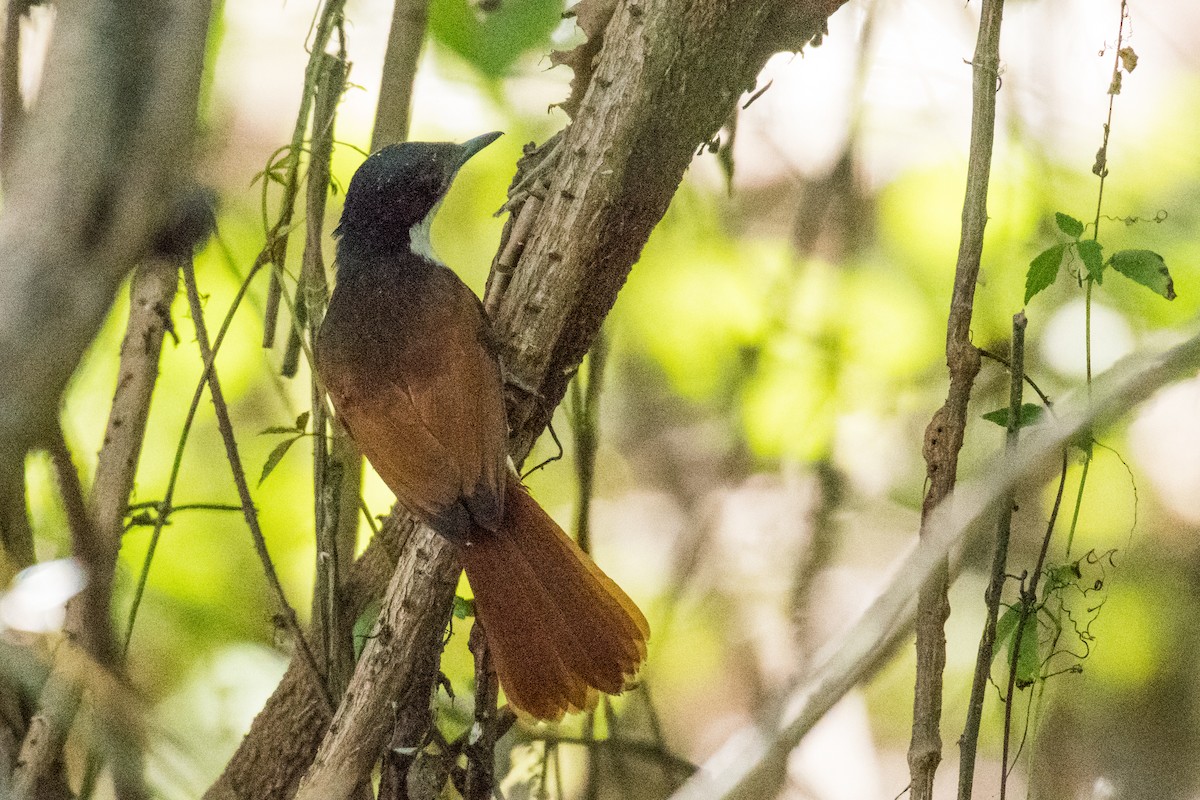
{"x":473,"y":146}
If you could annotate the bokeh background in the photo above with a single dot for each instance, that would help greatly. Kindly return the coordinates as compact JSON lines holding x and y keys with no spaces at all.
{"x":772,"y":363}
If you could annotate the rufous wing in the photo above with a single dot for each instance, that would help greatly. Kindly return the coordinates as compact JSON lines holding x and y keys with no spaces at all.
{"x":413,"y":378}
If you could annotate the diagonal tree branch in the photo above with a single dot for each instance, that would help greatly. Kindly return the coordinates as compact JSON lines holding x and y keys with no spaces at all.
{"x":752,"y":763}
{"x":617,"y":167}
{"x":665,"y":80}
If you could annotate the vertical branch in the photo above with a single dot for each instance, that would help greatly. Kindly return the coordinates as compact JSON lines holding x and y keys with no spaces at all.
{"x":12,"y":105}
{"x":16,"y":536}
{"x":987,"y":640}
{"x":944,"y":436}
{"x":480,"y":747}
{"x":332,"y":633}
{"x":275,"y":248}
{"x":586,"y":429}
{"x":154,"y":285}
{"x":399,"y":70}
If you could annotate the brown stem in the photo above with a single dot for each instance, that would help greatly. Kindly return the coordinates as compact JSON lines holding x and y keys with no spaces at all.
{"x":944,"y":436}
{"x":480,"y":746}
{"x":399,"y":71}
{"x":983,"y":660}
{"x":585,"y":425}
{"x":16,"y":535}
{"x":12,"y":105}
{"x":331,"y":628}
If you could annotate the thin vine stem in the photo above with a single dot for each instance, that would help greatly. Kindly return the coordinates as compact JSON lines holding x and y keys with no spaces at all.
{"x":165,"y":508}
{"x":1101,"y":170}
{"x":225,"y":425}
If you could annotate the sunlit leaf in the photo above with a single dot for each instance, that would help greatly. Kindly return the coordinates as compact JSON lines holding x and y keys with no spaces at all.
{"x":276,"y":456}
{"x":1068,"y":224}
{"x":1006,"y":626}
{"x":1147,"y":268}
{"x":1092,"y":255}
{"x":1030,"y":413}
{"x":1029,"y":661}
{"x":1043,"y":269}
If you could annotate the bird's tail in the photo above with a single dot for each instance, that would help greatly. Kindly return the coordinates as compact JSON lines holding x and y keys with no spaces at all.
{"x":558,"y":628}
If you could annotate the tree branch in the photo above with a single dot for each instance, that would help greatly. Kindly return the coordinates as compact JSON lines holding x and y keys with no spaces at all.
{"x":405,"y":38}
{"x":983,"y":660}
{"x":944,"y":435}
{"x":752,"y":763}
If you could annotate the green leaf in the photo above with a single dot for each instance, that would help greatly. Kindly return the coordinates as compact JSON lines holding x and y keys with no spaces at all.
{"x":493,"y":40}
{"x":1006,"y":626}
{"x":1030,"y":414}
{"x":1147,"y":268}
{"x":276,"y":456}
{"x":463,"y":607}
{"x":302,"y":422}
{"x":1029,"y":661}
{"x":1092,"y":255}
{"x":1068,"y":224}
{"x":1044,"y":269}
{"x":364,"y":625}
{"x":276,"y":429}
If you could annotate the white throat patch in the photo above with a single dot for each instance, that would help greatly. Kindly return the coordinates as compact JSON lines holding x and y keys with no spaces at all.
{"x":418,"y":235}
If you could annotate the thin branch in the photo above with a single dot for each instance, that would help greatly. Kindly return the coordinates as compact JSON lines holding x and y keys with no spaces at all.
{"x":753,"y":762}
{"x":333,"y":630}
{"x":1028,"y":610}
{"x":274,"y":251}
{"x":165,"y":508}
{"x":12,"y":104}
{"x":585,"y":425}
{"x":16,"y":534}
{"x":647,"y":750}
{"x":94,"y":631}
{"x":286,"y":612}
{"x":480,"y":747}
{"x":399,"y":71}
{"x":987,"y":639}
{"x":1045,"y":398}
{"x":944,"y":436}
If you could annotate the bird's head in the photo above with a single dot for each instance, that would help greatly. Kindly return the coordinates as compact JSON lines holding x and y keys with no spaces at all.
{"x":394,"y":194}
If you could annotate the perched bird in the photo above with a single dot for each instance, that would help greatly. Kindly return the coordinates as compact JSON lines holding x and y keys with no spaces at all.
{"x":407,"y":356}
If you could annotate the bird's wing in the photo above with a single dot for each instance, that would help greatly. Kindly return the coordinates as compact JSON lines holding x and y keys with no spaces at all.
{"x":421,"y":396}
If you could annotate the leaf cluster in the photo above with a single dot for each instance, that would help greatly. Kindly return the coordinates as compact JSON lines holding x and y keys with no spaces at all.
{"x":1144,"y":267}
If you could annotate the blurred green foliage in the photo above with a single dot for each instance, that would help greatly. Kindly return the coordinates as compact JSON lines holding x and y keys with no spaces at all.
{"x":492,"y":36}
{"x":771,"y":351}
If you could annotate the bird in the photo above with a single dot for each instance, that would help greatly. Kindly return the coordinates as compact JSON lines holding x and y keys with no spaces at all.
{"x":409,"y":361}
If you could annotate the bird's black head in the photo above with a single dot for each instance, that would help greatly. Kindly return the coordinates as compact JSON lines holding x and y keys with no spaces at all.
{"x":393,"y":195}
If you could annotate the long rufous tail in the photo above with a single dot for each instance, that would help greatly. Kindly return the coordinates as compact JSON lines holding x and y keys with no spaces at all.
{"x":558,"y":628}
